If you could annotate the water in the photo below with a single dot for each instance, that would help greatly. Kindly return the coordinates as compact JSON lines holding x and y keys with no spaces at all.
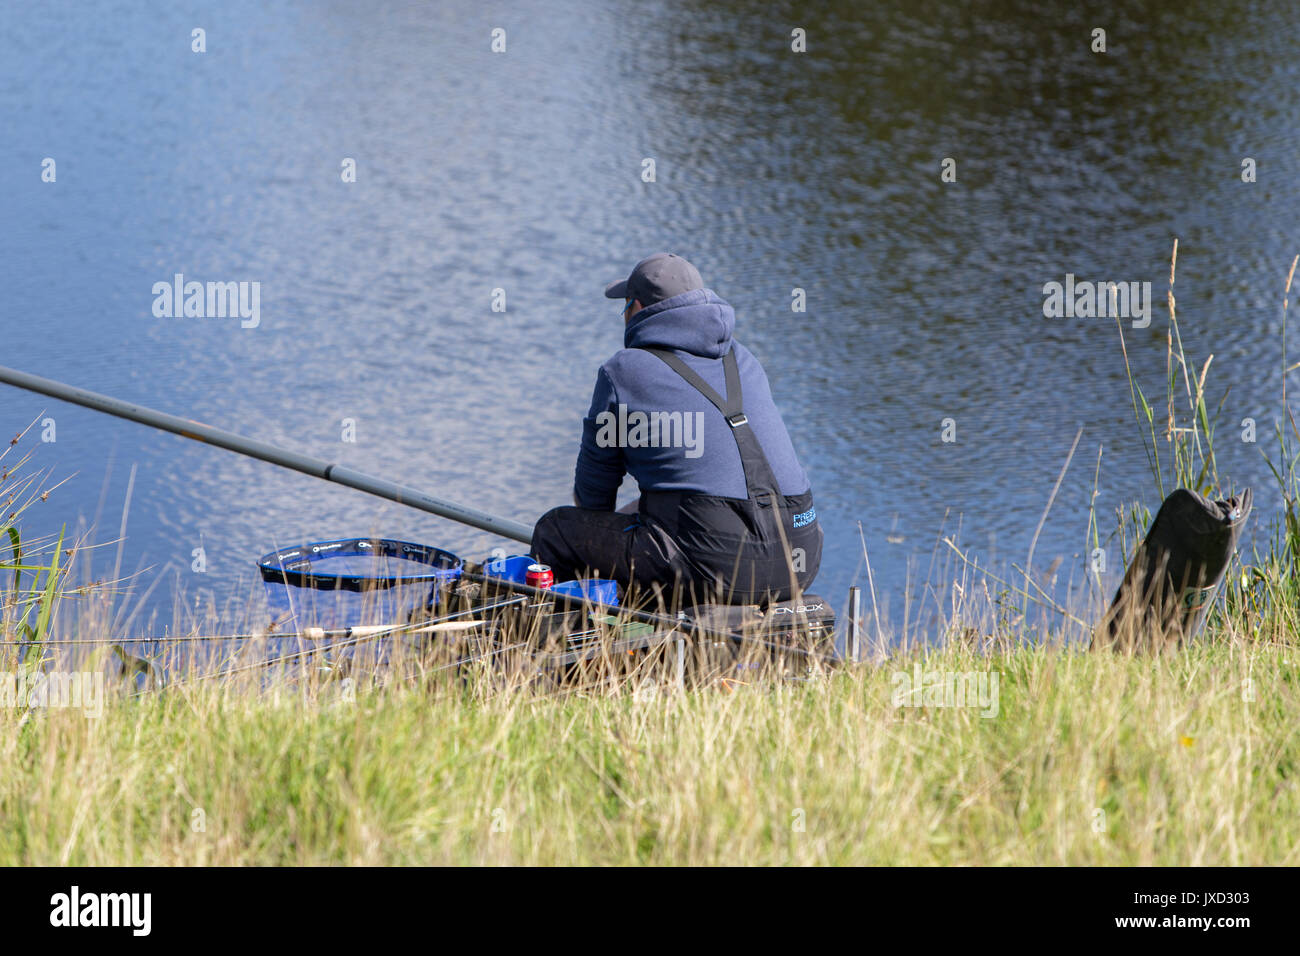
{"x":522,"y":171}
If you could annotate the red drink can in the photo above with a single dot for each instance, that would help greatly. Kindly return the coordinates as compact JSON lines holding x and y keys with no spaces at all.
{"x":539,"y":576}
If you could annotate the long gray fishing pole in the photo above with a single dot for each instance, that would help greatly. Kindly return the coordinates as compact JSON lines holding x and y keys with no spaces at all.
{"x":316,"y":467}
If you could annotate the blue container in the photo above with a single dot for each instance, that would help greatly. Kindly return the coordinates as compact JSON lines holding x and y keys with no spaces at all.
{"x":338,"y":584}
{"x":515,"y":568}
{"x":596,"y":590}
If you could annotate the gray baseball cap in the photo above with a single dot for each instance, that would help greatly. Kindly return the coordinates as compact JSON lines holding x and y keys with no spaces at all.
{"x":655,"y":278}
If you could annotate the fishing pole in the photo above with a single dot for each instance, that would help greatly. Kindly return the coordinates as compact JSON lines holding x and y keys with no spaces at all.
{"x":362,"y":633}
{"x":316,"y":467}
{"x":306,"y":634}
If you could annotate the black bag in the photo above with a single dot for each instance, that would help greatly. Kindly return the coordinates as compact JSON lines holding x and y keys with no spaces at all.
{"x":1175,"y":574}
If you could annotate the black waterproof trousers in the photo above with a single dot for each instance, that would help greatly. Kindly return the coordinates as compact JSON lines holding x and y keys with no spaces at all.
{"x":700,"y":548}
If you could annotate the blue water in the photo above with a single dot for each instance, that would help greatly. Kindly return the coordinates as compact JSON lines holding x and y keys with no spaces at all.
{"x":522,"y":171}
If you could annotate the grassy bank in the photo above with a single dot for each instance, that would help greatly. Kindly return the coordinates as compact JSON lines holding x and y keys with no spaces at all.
{"x":1090,"y":759}
{"x":1062,"y":757}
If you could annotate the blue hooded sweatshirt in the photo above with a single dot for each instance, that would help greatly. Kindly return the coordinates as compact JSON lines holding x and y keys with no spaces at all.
{"x":696,"y":450}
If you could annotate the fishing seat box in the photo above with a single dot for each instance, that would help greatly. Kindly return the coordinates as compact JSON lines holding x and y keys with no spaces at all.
{"x":810,"y":616}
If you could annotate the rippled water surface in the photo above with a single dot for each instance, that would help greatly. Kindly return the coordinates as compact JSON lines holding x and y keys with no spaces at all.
{"x":522,"y":171}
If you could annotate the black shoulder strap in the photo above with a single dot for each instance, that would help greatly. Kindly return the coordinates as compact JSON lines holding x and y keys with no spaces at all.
{"x":760,"y":482}
{"x":731,"y":406}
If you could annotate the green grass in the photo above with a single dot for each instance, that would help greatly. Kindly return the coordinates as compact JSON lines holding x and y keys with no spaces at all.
{"x":1091,"y":759}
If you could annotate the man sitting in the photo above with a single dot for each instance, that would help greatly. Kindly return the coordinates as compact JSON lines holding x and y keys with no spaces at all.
{"x":726,"y":511}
